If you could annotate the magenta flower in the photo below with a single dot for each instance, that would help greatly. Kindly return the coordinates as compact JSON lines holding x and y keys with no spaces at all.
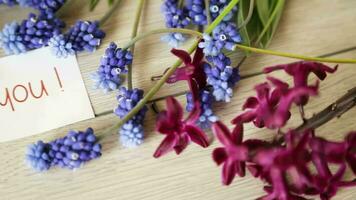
{"x":192,"y":71}
{"x":300,"y":71}
{"x":178,"y":132}
{"x":270,"y":108}
{"x":233,"y":154}
{"x":279,"y":161}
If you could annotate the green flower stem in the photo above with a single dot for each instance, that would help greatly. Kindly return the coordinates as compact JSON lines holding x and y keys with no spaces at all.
{"x":171,"y":70}
{"x":133,"y":35}
{"x":64,"y":7}
{"x":109,"y":13}
{"x":289,"y":55}
{"x":207,"y":8}
{"x":160,"y":31}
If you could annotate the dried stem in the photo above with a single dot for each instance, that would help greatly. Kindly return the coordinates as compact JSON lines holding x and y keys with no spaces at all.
{"x":336,"y":109}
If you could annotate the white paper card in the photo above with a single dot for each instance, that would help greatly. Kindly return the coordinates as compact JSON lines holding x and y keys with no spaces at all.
{"x":39,"y":92}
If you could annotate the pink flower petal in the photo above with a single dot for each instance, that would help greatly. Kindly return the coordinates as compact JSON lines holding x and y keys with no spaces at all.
{"x":166,"y":145}
{"x":228,"y":173}
{"x":222,"y":133}
{"x":181,"y":144}
{"x":197,"y":135}
{"x":174,"y":109}
{"x":237,"y":134}
{"x":219,"y":155}
{"x":183,"y":55}
{"x":198,"y":56}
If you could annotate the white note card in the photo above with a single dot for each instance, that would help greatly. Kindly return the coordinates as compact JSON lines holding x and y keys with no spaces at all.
{"x":40,"y":92}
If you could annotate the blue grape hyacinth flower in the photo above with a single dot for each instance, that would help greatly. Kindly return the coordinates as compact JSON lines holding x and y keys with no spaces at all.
{"x":175,"y":18}
{"x":131,"y":133}
{"x":217,"y":6}
{"x":112,"y":65}
{"x":196,"y":10}
{"x":60,"y":47}
{"x":71,"y":151}
{"x":207,"y":116}
{"x":38,"y":157}
{"x":85,"y":36}
{"x":224,"y":36}
{"x":10,"y":40}
{"x":221,"y":76}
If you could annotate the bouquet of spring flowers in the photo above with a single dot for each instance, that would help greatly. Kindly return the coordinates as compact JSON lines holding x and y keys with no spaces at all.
{"x":295,"y":164}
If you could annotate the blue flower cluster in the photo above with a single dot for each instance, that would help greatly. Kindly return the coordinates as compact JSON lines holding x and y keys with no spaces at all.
{"x":83,"y":36}
{"x":71,"y":151}
{"x":8,"y":2}
{"x":34,"y":32}
{"x":196,"y":10}
{"x":224,"y":36}
{"x":48,"y":5}
{"x":221,"y":76}
{"x":217,"y":6}
{"x":112,"y":65}
{"x":207,"y":116}
{"x":175,"y":17}
{"x":131,"y":133}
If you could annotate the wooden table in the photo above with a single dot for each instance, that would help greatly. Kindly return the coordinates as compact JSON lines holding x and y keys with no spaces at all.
{"x":310,"y":27}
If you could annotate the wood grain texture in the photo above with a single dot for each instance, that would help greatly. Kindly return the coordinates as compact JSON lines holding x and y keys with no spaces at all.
{"x":315,"y":27}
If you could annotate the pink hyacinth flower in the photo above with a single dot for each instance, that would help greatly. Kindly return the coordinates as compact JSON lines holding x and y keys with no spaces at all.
{"x":270,"y":108}
{"x":300,"y":71}
{"x":233,"y":155}
{"x":178,"y":132}
{"x":192,"y":71}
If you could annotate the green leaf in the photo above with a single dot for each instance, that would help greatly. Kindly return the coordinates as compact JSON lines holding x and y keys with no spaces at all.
{"x":242,"y":14}
{"x":263,"y":9}
{"x":93,"y":4}
{"x":270,"y":26}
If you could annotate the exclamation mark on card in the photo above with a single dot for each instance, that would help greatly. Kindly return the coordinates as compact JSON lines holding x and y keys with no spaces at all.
{"x":59,"y":79}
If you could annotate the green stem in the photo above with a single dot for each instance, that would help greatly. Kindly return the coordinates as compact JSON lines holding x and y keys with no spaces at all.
{"x":160,"y":31}
{"x":133,"y":35}
{"x":171,"y":70}
{"x":109,"y":13}
{"x":63,"y":8}
{"x":207,"y":8}
{"x":289,"y":55}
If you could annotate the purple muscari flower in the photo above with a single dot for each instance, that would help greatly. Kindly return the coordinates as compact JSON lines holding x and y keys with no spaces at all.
{"x":60,"y":47}
{"x":174,"y":39}
{"x":175,"y":18}
{"x":207,"y":116}
{"x":8,"y":2}
{"x":37,"y":156}
{"x":131,"y":133}
{"x":217,"y":6}
{"x":225,"y":35}
{"x":85,"y":36}
{"x":50,"y":5}
{"x":10,"y":40}
{"x":70,"y":151}
{"x":221,"y":76}
{"x":75,"y":149}
{"x":37,"y":30}
{"x":112,"y":64}
{"x":197,"y":12}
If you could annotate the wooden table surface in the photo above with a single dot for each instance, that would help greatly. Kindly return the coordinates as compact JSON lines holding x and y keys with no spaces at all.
{"x":311,"y":27}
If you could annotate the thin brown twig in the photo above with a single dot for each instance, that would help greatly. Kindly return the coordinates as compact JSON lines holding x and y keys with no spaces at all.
{"x":336,"y":109}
